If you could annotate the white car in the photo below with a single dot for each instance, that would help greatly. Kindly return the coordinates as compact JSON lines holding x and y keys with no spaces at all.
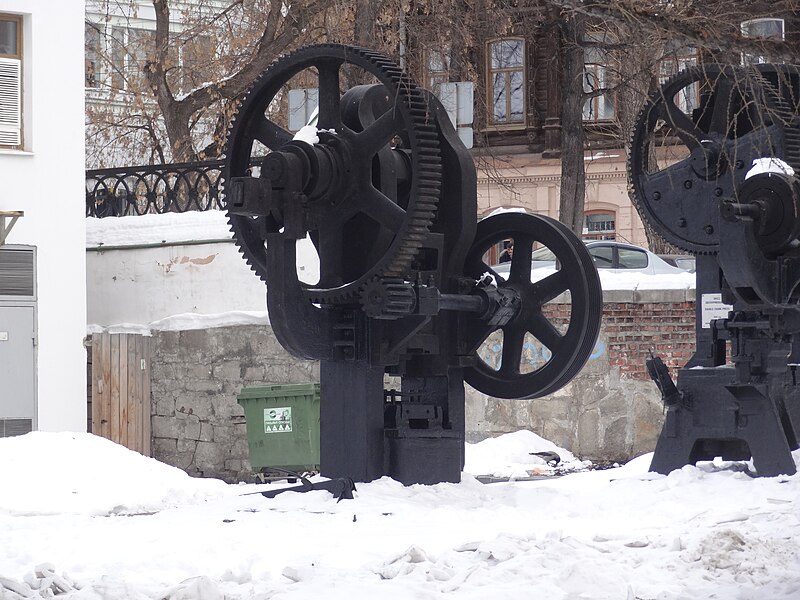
{"x":614,"y":257}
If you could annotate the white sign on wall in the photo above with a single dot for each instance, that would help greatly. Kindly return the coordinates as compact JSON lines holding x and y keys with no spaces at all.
{"x":713,"y":307}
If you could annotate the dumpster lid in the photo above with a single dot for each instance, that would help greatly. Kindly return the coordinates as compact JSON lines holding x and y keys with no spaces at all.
{"x":277,"y":390}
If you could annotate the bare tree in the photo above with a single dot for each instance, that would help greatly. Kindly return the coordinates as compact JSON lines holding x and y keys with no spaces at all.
{"x":194,"y":74}
{"x":175,"y":88}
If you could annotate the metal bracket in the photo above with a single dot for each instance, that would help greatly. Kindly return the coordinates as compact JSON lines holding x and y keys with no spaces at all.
{"x":14,"y":215}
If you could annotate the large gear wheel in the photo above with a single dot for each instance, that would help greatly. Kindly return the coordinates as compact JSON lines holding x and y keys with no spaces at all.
{"x":387,"y":163}
{"x":693,"y":143}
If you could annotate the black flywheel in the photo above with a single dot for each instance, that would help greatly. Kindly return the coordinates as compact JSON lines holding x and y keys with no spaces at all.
{"x":545,"y":345}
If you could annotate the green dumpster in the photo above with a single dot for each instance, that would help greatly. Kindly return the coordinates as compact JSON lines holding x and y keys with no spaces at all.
{"x":282,"y":426}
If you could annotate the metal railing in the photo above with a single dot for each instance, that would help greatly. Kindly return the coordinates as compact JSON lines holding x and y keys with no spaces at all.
{"x":149,"y":189}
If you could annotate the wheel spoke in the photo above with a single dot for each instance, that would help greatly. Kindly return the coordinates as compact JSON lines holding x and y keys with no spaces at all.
{"x":378,"y":134}
{"x":497,"y":277}
{"x":721,"y":110}
{"x":521,"y":259}
{"x":268,"y":133}
{"x":684,"y":128}
{"x":513,"y":339}
{"x":381,"y":208}
{"x":544,"y":331}
{"x":551,"y":286}
{"x":330,"y":116}
{"x":331,"y":252}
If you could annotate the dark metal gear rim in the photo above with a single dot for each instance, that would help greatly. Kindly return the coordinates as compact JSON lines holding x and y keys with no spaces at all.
{"x":426,"y":165}
{"x":776,"y":108}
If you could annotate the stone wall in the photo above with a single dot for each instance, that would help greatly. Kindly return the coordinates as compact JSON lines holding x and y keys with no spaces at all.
{"x":196,"y":377}
{"x":610,"y":411}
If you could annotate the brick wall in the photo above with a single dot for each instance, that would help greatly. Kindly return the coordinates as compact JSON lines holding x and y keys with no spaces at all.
{"x":633,"y":328}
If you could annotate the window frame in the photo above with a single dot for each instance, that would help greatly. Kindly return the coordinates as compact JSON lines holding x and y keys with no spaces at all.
{"x":126,"y":72}
{"x":615,"y":260}
{"x":98,"y":74}
{"x":602,"y":71}
{"x":18,"y":20}
{"x":491,"y":124}
{"x":600,"y":235}
{"x":752,"y":59}
{"x":121,"y":66}
{"x":435,"y":77}
{"x":18,"y":56}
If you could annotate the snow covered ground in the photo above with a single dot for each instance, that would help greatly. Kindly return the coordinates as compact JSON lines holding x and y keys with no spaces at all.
{"x":81,"y":514}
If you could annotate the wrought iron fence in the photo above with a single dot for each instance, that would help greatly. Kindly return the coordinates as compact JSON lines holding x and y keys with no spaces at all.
{"x":177,"y":187}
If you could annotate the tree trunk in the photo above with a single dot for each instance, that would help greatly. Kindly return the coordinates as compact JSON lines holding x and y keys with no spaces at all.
{"x":573,"y":173}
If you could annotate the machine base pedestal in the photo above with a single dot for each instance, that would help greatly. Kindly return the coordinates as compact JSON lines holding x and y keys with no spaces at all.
{"x":717,"y":417}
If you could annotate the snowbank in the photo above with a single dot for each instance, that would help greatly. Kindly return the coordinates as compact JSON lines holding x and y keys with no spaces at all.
{"x":79,"y":473}
{"x":117,"y":526}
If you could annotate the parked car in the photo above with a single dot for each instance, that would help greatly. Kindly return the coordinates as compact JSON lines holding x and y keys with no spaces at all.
{"x":615,"y":256}
{"x":682,"y":261}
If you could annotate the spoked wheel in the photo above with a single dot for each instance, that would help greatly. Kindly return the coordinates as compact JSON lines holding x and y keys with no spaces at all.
{"x":371,"y":183}
{"x":545,"y":345}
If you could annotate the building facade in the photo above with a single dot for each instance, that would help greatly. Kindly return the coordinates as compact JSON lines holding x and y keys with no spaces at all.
{"x":518,"y":65}
{"x":42,"y":227}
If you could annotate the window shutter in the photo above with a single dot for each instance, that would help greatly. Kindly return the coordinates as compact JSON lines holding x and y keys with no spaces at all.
{"x":10,"y":101}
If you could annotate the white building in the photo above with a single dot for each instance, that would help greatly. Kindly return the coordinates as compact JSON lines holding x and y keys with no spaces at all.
{"x":42,"y":206}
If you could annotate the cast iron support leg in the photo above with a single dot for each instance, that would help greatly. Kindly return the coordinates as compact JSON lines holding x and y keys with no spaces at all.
{"x":351,"y":420}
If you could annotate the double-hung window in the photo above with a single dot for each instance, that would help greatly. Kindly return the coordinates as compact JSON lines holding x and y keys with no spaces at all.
{"x":131,"y":48}
{"x":765,"y":29}
{"x":507,"y":82}
{"x":597,"y":79}
{"x":10,"y":81}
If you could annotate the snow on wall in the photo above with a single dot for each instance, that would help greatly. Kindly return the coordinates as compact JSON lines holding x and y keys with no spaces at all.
{"x":143,"y":270}
{"x":46,"y":181}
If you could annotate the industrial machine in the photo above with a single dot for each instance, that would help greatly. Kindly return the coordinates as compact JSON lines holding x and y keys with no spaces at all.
{"x":407,"y":305}
{"x":714,"y":163}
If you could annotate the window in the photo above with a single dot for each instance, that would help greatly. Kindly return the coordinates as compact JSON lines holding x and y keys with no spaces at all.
{"x":116,"y":57}
{"x":596,"y":78}
{"x":599,"y":226}
{"x":10,"y":81}
{"x":507,"y":82}
{"x":602,"y":256}
{"x":130,"y":51}
{"x":765,"y":29}
{"x":631,"y":259}
{"x":195,"y":56}
{"x":438,"y":68}
{"x":92,"y":55}
{"x":673,"y":62}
